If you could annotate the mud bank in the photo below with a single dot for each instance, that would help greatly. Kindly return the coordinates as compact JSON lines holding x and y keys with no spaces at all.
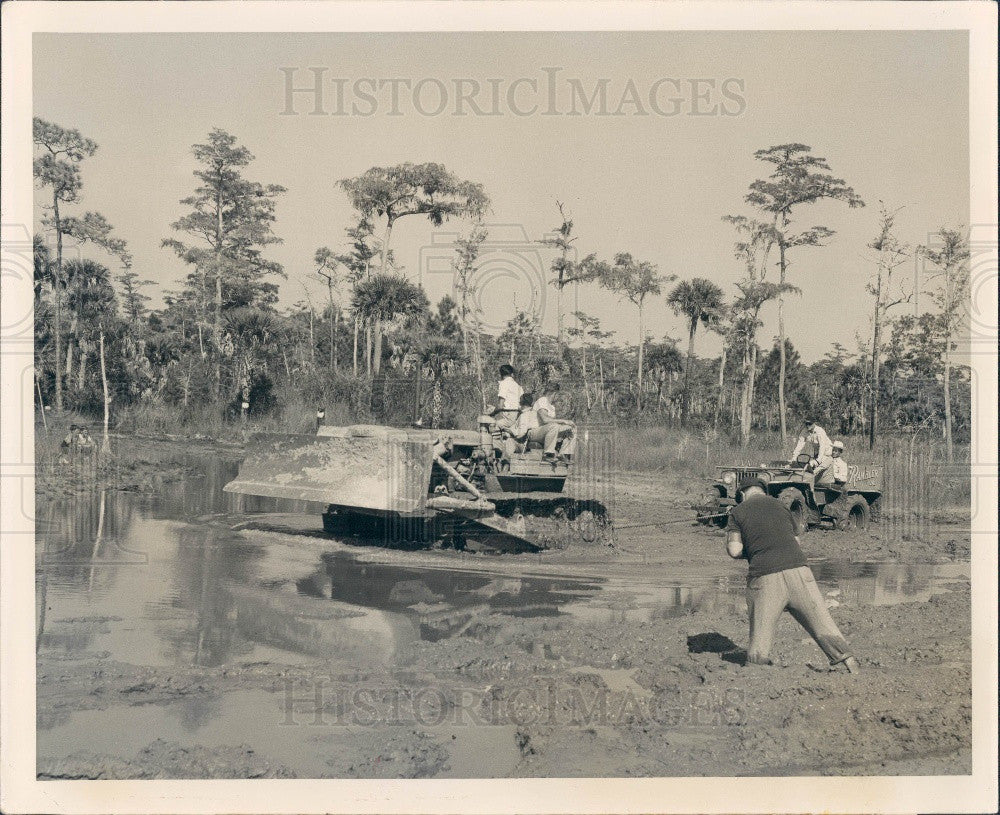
{"x":131,"y":465}
{"x":216,"y":640}
{"x":663,"y":696}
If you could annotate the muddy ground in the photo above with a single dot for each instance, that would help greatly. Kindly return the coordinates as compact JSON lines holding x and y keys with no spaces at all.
{"x":616,"y":657}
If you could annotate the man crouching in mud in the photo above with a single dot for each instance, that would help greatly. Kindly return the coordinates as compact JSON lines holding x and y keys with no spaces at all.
{"x":762,"y":530}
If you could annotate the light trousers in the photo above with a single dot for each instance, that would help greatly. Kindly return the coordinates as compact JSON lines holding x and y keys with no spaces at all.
{"x":796,"y":590}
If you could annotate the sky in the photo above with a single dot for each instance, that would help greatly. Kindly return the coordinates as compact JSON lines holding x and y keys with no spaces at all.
{"x":653,"y":176}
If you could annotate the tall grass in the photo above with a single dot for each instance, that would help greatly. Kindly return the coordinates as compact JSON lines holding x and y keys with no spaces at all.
{"x":915,"y":475}
{"x":205,"y":421}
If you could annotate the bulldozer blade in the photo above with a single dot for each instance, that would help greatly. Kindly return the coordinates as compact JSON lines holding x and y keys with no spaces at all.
{"x":387,"y":472}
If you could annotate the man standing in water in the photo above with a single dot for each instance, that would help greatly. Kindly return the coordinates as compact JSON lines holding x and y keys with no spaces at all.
{"x":762,"y":530}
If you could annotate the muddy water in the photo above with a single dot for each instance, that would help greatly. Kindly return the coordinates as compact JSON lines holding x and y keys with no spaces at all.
{"x":181,"y":579}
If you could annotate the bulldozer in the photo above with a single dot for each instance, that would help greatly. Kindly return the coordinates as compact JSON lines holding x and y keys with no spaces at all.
{"x":851,"y":506}
{"x":459,"y":488}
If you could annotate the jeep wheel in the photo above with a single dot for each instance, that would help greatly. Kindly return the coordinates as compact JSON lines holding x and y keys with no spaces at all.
{"x":792,"y":500}
{"x":875,"y":510}
{"x":710,"y":510}
{"x":857,"y":514}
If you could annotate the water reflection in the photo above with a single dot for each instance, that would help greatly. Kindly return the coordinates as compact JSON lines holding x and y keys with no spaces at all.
{"x":443,"y":602}
{"x":116,"y":573}
{"x":888,"y":583}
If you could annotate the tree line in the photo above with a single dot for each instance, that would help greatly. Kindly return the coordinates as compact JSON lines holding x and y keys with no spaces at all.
{"x":376,"y":344}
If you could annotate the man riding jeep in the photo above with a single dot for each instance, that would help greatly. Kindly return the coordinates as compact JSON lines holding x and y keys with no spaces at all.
{"x":838,"y":472}
{"x":834,"y":495}
{"x":814,"y":441}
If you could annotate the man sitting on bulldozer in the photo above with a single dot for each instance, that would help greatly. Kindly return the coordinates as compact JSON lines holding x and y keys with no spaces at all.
{"x":565,"y":438}
{"x":528,"y":430}
{"x":509,"y":395}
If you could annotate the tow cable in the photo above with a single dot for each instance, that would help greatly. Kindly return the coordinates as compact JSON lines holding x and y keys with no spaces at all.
{"x":680,"y":521}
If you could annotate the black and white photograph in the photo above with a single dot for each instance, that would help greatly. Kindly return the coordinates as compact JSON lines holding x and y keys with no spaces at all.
{"x":565,"y":403}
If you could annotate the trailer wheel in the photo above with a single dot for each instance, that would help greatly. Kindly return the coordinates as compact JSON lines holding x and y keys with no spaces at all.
{"x":792,"y":500}
{"x":857,"y":514}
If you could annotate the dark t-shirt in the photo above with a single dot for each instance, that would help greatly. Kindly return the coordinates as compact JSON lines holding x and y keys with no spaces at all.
{"x":768,"y":533}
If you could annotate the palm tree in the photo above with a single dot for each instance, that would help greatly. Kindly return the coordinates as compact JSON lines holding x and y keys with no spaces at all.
{"x":698,"y":301}
{"x":89,"y":297}
{"x":383,"y":297}
{"x":436,"y":354}
{"x":248,"y":333}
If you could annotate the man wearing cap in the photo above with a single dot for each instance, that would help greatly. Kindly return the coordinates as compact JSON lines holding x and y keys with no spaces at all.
{"x":816,"y":442}
{"x":838,"y":472}
{"x":762,"y":530}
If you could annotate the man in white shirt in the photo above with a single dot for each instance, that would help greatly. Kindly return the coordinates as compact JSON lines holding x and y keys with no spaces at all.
{"x":523,"y":427}
{"x":565,"y":429}
{"x":508,"y":397}
{"x":817,"y":444}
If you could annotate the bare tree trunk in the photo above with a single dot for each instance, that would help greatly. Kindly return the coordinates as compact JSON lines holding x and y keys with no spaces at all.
{"x":686,"y":403}
{"x":385,"y":244}
{"x":312,"y":337}
{"x":480,"y":383}
{"x":333,"y":324}
{"x":642,"y":342}
{"x":368,"y":347}
{"x":333,"y":340}
{"x":377,"y":361}
{"x":949,"y":446}
{"x":82,"y":372}
{"x":559,"y":315}
{"x":875,"y":384}
{"x":355,"y":355}
{"x":57,"y":291}
{"x":600,"y":365}
{"x":722,"y":378}
{"x":218,"y":292}
{"x":41,"y":402}
{"x":106,"y":443}
{"x":781,"y":346}
{"x":746,"y":416}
